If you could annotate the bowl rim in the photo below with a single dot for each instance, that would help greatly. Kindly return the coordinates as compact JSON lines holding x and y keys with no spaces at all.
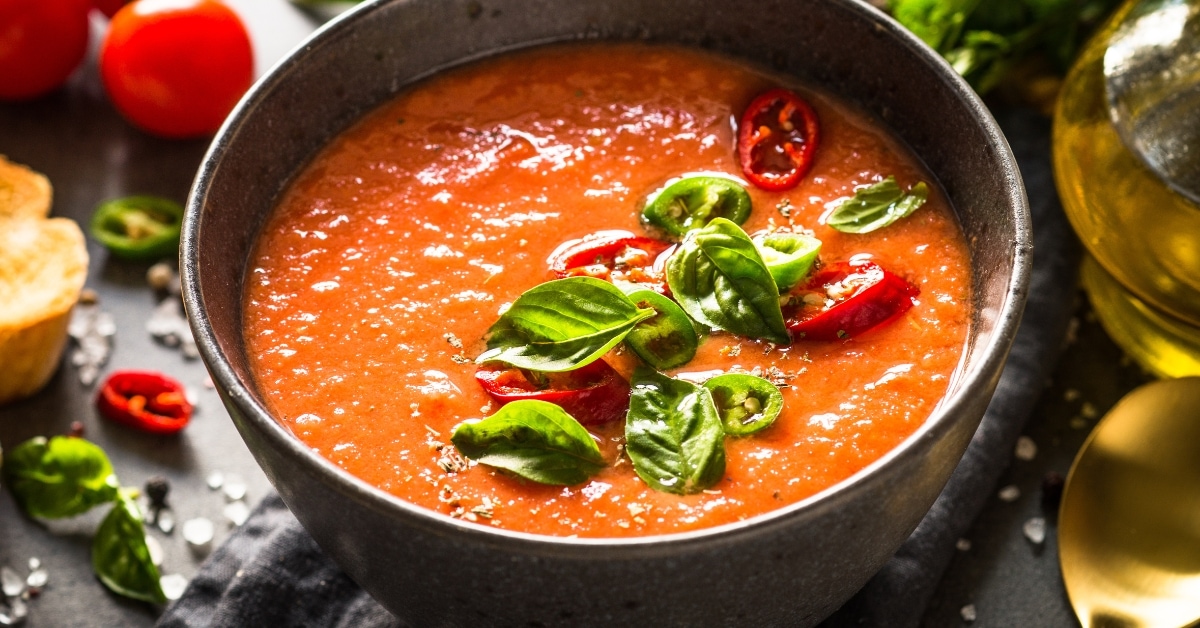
{"x":986,"y":366}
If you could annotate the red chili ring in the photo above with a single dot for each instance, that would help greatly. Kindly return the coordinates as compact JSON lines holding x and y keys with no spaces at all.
{"x":777,"y":137}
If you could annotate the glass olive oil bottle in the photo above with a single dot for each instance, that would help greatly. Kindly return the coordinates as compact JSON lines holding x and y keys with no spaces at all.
{"x":1143,"y":276}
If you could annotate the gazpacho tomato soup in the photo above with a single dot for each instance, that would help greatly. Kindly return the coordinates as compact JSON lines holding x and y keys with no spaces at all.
{"x":374,"y":283}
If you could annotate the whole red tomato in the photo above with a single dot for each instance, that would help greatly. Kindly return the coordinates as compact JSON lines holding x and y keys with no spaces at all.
{"x":41,"y":43}
{"x":176,"y":68}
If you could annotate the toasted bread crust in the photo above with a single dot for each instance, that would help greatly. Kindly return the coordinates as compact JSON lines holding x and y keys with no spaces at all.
{"x":23,"y":192}
{"x":43,"y":265}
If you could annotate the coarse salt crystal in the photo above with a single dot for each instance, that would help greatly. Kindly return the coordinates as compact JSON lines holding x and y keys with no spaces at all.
{"x":968,"y":613}
{"x":198,"y":533}
{"x":173,"y":585}
{"x":1009,"y":493}
{"x":1026,"y":449}
{"x":237,"y":513}
{"x":37,"y":578}
{"x":1035,"y":530}
{"x":11,"y":582}
{"x":215,"y":480}
{"x":235,"y":489}
{"x":156,"y":551}
{"x":963,"y":545}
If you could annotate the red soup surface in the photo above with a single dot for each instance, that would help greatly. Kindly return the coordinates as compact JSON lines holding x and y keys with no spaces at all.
{"x":373,"y":283}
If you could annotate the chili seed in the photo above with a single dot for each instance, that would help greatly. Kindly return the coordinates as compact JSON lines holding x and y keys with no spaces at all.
{"x":160,"y":276}
{"x":752,"y":405}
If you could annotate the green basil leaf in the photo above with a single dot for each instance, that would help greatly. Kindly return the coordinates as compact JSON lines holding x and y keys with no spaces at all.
{"x":719,"y":279}
{"x":746,"y":404}
{"x":667,"y":339}
{"x":938,"y":23}
{"x":673,"y":434}
{"x":536,"y":440}
{"x":120,"y":557}
{"x":877,"y":206}
{"x":788,"y":256}
{"x":59,"y":477}
{"x":562,"y":325}
{"x":691,"y":202}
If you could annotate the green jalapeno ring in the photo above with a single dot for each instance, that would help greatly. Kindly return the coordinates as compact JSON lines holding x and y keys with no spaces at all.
{"x":139,"y":227}
{"x":665,"y":340}
{"x":789,"y":256}
{"x":691,"y":202}
{"x":746,"y":404}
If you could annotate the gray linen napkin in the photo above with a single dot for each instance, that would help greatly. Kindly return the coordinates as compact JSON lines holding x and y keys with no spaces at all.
{"x":271,"y":573}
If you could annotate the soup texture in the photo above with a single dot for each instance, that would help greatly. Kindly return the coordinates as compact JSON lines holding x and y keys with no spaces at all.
{"x":374,"y":283}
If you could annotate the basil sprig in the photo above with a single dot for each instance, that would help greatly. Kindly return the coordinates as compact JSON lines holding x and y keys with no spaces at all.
{"x":673,"y":434}
{"x":59,"y":477}
{"x":562,"y":325}
{"x":719,"y":278}
{"x":877,"y":206}
{"x":63,"y":477}
{"x":533,"y":439}
{"x":120,"y":556}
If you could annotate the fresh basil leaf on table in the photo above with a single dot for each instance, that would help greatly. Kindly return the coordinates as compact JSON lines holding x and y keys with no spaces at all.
{"x":665,"y":340}
{"x":987,"y":41}
{"x":59,"y":477}
{"x":562,"y":325}
{"x":673,"y":434}
{"x":120,"y":557}
{"x":719,"y":279}
{"x":745,"y":403}
{"x":536,"y":440}
{"x":876,"y":206}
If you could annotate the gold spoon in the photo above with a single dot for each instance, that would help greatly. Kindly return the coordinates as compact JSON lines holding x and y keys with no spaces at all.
{"x":1129,"y":523}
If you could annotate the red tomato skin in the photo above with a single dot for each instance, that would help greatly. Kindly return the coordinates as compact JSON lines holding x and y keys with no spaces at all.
{"x":109,"y":7}
{"x":870,"y":306}
{"x":41,"y":44}
{"x":176,"y":68}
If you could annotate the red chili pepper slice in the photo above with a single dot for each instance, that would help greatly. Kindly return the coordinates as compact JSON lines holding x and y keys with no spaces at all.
{"x":592,"y":394}
{"x":612,"y":255}
{"x":777,"y":137}
{"x":863,"y":294}
{"x":145,"y":400}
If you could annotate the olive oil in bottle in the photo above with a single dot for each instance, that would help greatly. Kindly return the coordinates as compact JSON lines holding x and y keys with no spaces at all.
{"x":1139,"y":226}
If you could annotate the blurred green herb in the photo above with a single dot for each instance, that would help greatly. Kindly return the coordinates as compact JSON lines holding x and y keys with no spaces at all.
{"x":985,"y":40}
{"x":66,"y":476}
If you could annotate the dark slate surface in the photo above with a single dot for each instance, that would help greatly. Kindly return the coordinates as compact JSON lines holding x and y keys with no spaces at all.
{"x":90,"y":155}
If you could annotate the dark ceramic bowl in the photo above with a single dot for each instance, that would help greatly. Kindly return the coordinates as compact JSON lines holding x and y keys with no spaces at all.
{"x":792,"y":566}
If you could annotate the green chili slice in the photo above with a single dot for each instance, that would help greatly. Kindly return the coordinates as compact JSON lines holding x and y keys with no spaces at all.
{"x":691,"y":202}
{"x":788,"y":256}
{"x":745,"y":403}
{"x":665,"y":340}
{"x":139,"y":227}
